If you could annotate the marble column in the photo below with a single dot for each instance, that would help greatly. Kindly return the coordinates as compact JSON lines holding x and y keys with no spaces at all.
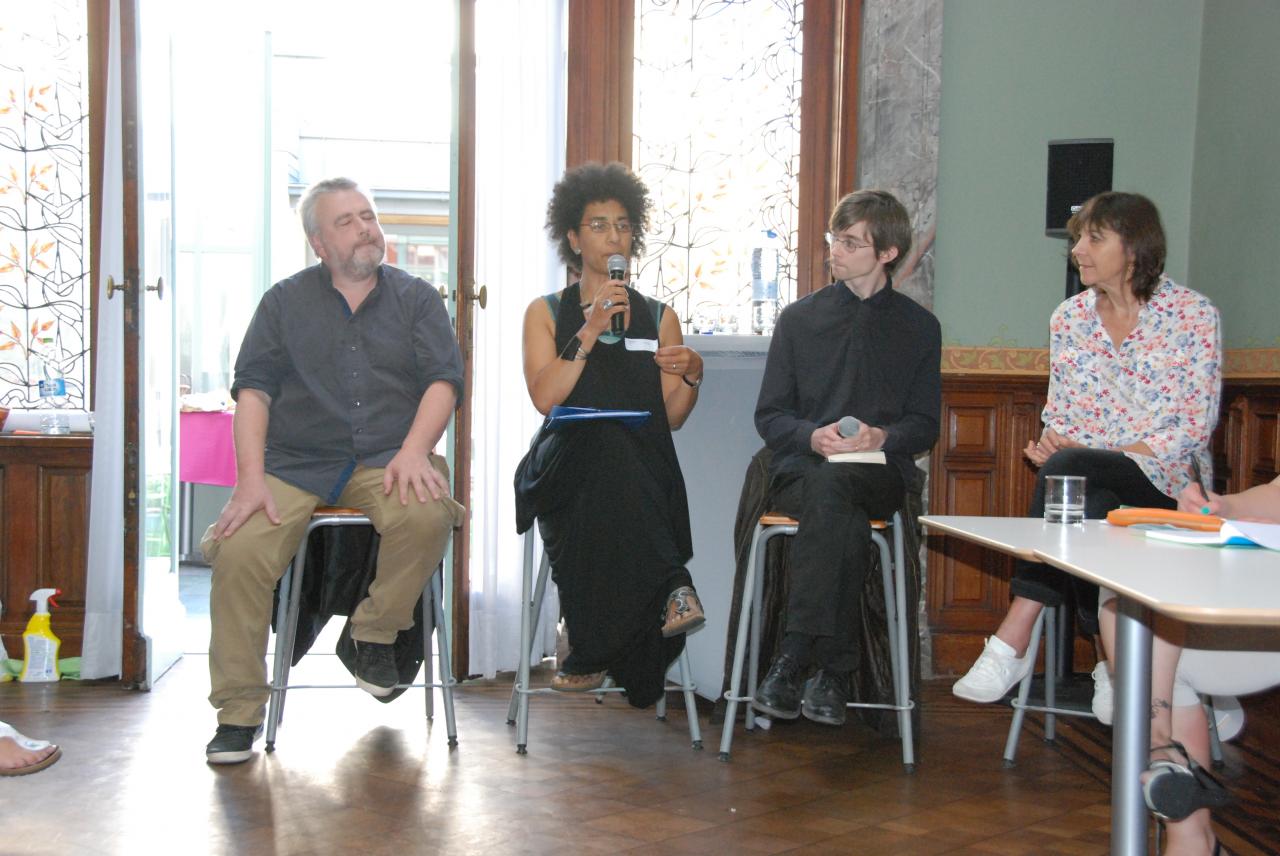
{"x":899,"y":98}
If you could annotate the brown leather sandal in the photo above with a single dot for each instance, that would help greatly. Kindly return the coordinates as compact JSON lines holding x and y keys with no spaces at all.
{"x":683,"y":613}
{"x":567,"y":683}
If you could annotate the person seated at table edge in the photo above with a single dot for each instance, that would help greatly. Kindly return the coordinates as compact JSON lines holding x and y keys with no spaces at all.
{"x":1135,"y":379}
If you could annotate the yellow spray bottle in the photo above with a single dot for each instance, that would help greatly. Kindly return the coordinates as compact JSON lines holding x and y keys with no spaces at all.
{"x":39,"y":645}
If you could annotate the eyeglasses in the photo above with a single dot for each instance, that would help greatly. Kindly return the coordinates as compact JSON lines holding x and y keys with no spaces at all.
{"x":848,"y":244}
{"x":600,"y":225}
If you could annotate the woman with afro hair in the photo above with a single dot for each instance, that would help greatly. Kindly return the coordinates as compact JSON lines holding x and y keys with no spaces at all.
{"x":610,"y":500}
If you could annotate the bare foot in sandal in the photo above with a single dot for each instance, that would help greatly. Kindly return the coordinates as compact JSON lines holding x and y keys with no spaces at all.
{"x":20,"y":755}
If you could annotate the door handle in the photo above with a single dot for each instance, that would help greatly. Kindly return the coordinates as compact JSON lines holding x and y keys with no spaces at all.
{"x":481,"y":296}
{"x":158,"y":288}
{"x":113,"y":286}
{"x":444,"y":293}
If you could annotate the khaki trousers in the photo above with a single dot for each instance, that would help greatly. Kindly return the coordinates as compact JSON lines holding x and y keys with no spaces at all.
{"x":247,"y":566}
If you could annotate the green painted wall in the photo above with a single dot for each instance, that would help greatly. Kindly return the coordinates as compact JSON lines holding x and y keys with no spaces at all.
{"x":1235,"y":195}
{"x":1018,"y":73}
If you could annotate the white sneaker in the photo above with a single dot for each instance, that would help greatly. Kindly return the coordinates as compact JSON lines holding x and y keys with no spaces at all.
{"x":994,"y":674}
{"x":1103,"y":694}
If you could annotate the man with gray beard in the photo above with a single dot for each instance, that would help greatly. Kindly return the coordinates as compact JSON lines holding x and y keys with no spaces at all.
{"x":346,"y":379}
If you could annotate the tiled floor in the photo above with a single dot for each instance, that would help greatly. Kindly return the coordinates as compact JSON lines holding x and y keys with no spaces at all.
{"x":353,"y":776}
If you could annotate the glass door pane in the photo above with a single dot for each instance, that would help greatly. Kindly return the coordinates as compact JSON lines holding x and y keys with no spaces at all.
{"x":161,"y":613}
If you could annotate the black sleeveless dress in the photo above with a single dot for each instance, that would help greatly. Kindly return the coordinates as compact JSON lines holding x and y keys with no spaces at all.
{"x":613,"y":513}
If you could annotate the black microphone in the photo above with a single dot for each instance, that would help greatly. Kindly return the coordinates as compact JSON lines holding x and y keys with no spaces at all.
{"x":848,"y":426}
{"x":617,"y":270}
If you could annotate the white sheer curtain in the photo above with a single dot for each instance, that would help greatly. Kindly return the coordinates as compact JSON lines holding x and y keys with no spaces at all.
{"x":520,"y":120}
{"x":104,"y":592}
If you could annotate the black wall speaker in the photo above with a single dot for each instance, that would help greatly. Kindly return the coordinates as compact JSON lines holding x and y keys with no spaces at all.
{"x":1078,"y":170}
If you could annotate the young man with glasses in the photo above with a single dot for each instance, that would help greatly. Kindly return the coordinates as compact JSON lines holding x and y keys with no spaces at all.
{"x":857,"y":348}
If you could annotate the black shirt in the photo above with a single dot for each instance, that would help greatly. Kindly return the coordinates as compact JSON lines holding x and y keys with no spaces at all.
{"x":345,"y":387}
{"x":834,"y":354}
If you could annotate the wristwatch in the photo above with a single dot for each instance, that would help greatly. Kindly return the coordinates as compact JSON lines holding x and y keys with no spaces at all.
{"x":693,"y":383}
{"x":574,"y":351}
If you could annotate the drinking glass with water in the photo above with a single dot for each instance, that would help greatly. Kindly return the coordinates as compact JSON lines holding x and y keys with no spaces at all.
{"x":1064,"y":499}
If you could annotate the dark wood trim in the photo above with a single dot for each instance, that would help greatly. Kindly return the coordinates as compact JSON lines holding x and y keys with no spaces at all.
{"x":828,"y":129}
{"x":600,"y":81}
{"x":465,"y":206}
{"x":98,"y":28}
{"x":133,"y":669}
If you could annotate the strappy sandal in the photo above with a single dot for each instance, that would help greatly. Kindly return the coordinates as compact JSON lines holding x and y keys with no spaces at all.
{"x":683,"y":612}
{"x":1174,"y":791}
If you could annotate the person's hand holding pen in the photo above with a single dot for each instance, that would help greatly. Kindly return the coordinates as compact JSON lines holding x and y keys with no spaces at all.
{"x":1193,"y":500}
{"x":1198,"y":496}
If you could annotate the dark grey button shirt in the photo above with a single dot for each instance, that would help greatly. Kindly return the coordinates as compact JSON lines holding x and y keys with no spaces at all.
{"x":345,"y":387}
{"x":834,"y":354}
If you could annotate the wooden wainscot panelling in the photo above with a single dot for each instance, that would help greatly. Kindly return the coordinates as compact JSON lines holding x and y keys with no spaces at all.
{"x":1247,"y":442}
{"x":979,"y":470}
{"x":44,"y":530}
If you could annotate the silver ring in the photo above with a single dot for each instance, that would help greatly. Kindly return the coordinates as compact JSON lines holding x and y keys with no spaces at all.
{"x":608,"y":304}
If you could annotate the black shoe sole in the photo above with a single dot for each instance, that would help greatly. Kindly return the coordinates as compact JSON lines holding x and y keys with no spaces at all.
{"x":814,"y":716}
{"x":776,"y":713}
{"x":1175,"y":796}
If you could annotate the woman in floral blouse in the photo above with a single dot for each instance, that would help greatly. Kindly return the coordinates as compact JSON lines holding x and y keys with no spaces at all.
{"x":1135,"y":379}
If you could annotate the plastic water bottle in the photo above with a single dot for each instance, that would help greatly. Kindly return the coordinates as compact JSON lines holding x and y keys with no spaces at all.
{"x":764,"y":284}
{"x":53,"y":388}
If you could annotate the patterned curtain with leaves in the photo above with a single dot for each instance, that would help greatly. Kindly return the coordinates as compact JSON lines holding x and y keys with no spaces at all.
{"x":44,"y":180}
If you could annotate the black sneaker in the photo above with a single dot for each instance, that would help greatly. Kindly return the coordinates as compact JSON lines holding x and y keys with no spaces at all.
{"x":232,"y":744}
{"x":825,"y":696}
{"x":376,"y":671}
{"x":779,"y":694}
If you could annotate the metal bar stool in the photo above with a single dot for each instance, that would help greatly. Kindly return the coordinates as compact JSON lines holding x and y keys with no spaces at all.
{"x":287,"y":625}
{"x":893,"y":571}
{"x":1048,"y":622}
{"x":530,"y":612}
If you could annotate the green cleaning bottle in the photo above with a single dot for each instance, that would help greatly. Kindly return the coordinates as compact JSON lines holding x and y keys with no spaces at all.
{"x":39,"y":645}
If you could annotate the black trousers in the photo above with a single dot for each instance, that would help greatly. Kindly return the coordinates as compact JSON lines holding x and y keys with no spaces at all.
{"x":831,"y":551}
{"x":1111,"y":480}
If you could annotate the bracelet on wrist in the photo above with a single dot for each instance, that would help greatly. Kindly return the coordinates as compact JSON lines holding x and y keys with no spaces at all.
{"x":574,"y":351}
{"x":693,"y":384}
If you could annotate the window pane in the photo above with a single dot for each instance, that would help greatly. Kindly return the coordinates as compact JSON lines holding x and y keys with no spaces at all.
{"x":717,"y":141}
{"x":44,"y":194}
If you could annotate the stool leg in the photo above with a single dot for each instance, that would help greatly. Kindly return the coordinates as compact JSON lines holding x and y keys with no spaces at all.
{"x":660,"y":706}
{"x":1051,"y":643}
{"x":446,"y":664}
{"x":690,"y":704}
{"x":740,"y":649}
{"x":431,"y":624}
{"x":904,"y":646}
{"x":1215,"y":742}
{"x":524,"y":617}
{"x":757,"y":621}
{"x":518,"y":697}
{"x":894,"y":571}
{"x":534,"y":614}
{"x":286,"y":631}
{"x":1024,"y":690}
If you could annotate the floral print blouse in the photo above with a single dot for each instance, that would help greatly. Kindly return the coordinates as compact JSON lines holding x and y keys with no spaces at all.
{"x":1161,"y":386}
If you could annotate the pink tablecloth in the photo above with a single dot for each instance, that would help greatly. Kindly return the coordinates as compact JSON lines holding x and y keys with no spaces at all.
{"x":207,"y":454}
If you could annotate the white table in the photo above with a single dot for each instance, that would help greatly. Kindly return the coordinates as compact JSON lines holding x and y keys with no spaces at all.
{"x":1198,"y":585}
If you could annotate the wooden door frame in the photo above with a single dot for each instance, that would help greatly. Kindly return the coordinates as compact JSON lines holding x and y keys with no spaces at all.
{"x":465,"y":208}
{"x":133,"y":666}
